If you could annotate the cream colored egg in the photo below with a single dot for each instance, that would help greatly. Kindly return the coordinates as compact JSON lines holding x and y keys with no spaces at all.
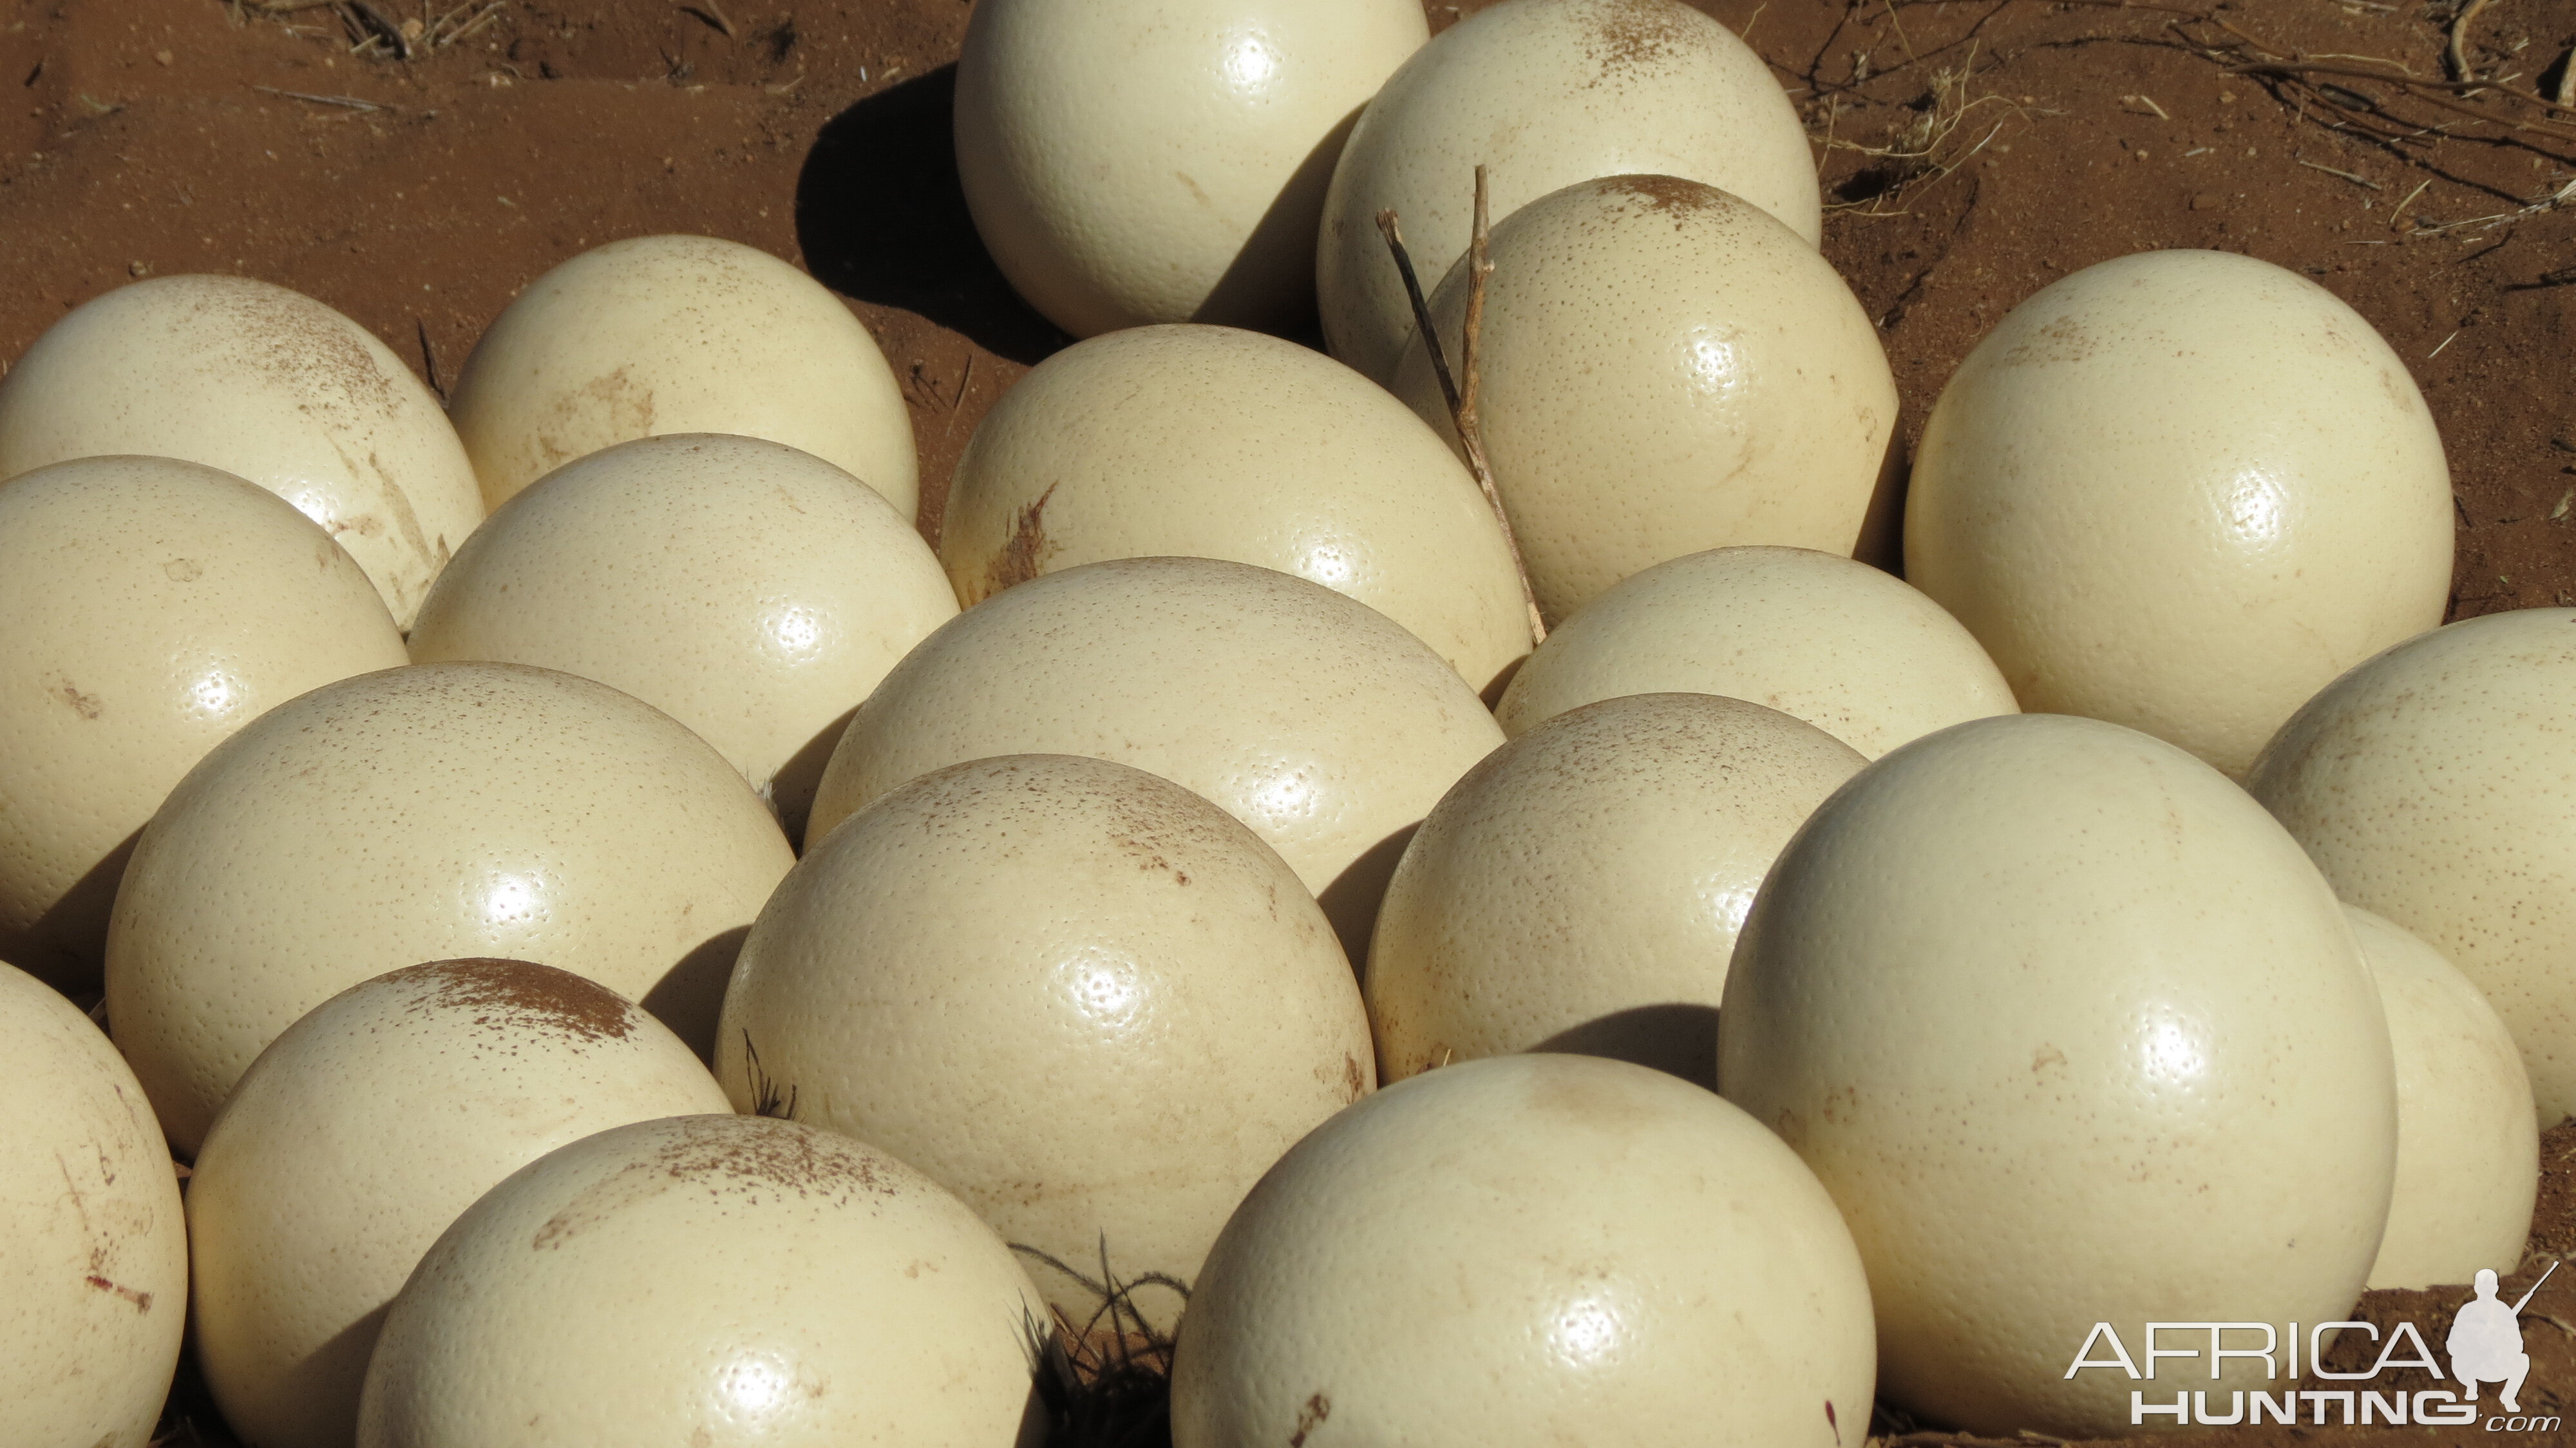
{"x":1666,"y":368}
{"x":428,"y":813}
{"x":1845,"y":647}
{"x":1082,"y":998}
{"x":152,"y":607}
{"x":93,"y":1247}
{"x":2468,"y":1153}
{"x":266,"y":384}
{"x":2181,"y":491}
{"x":2073,"y":1034}
{"x":1217,"y":443}
{"x":723,"y":1280}
{"x":365,"y":1129}
{"x":1310,"y":717}
{"x":2434,"y":785}
{"x":752,"y":592}
{"x":1543,"y":94}
{"x":1531,"y":1249}
{"x":1136,"y":163}
{"x":664,"y":334}
{"x":1580,"y":890}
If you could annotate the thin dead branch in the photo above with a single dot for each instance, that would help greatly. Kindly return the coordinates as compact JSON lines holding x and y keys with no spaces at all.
{"x":1461,"y":400}
{"x":2457,"y":50}
{"x":349,"y":102}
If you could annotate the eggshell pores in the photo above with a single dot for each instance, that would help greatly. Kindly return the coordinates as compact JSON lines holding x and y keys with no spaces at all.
{"x":663,"y":334}
{"x":153,"y":607}
{"x":1580,"y":889}
{"x":1311,"y":718}
{"x":797,"y":1288}
{"x":1129,"y":164}
{"x":2181,"y":491}
{"x":1219,"y":443}
{"x":93,"y":1249}
{"x":1543,"y":94}
{"x":1557,"y":1249}
{"x":2434,"y":787}
{"x":428,"y":813}
{"x":364,"y":1130}
{"x":752,"y":592}
{"x":2073,"y":1034}
{"x":1834,"y":642}
{"x":1666,"y":368}
{"x":268,"y":385}
{"x":2468,"y":1153}
{"x":1081,"y":997}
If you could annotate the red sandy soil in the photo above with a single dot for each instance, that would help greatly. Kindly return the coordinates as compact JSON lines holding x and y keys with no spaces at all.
{"x":149,"y":137}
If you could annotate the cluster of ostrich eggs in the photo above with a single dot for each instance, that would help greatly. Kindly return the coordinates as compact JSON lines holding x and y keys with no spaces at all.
{"x":1639,"y":911}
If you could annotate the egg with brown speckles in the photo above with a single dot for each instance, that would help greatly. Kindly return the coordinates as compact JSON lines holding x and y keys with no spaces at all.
{"x":2434,"y":785}
{"x":1218,"y":443}
{"x":1666,"y":368}
{"x":2074,"y":1034}
{"x":1084,"y":999}
{"x":802,"y":1288}
{"x":1543,"y":94}
{"x":2182,"y":491}
{"x":433,"y":812}
{"x":1311,"y":717}
{"x":362,"y":1132}
{"x":1130,"y":163}
{"x":2468,"y":1150}
{"x":154,"y":606}
{"x":266,"y":384}
{"x":1531,"y":1249}
{"x":95,"y":1272}
{"x":1581,"y":888}
{"x":663,"y":334}
{"x":1849,"y":649}
{"x":753,"y":592}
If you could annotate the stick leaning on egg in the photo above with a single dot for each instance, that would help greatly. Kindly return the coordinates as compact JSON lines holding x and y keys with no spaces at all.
{"x":1461,"y":398}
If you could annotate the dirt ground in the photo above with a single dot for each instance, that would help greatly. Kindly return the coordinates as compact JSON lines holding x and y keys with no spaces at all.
{"x":417,"y":168}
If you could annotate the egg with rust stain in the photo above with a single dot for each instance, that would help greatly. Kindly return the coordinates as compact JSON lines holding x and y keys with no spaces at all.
{"x":96,"y":1268}
{"x":664,"y":334}
{"x":266,"y":384}
{"x":1823,"y":638}
{"x":753,"y":592}
{"x":1581,"y":888}
{"x":804,"y":1288}
{"x":2182,"y":491}
{"x":433,"y":812}
{"x":362,"y":1132}
{"x":2073,"y":1033}
{"x":1131,"y":163}
{"x":1217,"y":443}
{"x":2468,"y":1149}
{"x":1543,"y":94}
{"x":1531,"y":1249}
{"x":1082,"y":998}
{"x":1311,"y":717}
{"x":154,"y":607}
{"x":2433,"y":786}
{"x":1665,"y":368}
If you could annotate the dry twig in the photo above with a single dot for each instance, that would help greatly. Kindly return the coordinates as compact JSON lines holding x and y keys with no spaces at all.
{"x":1462,"y":398}
{"x":1923,"y":152}
{"x":713,"y":14}
{"x":2457,"y":50}
{"x":351,"y":102}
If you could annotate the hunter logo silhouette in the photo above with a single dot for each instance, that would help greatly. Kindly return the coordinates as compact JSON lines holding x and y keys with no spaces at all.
{"x":2486,"y":1342}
